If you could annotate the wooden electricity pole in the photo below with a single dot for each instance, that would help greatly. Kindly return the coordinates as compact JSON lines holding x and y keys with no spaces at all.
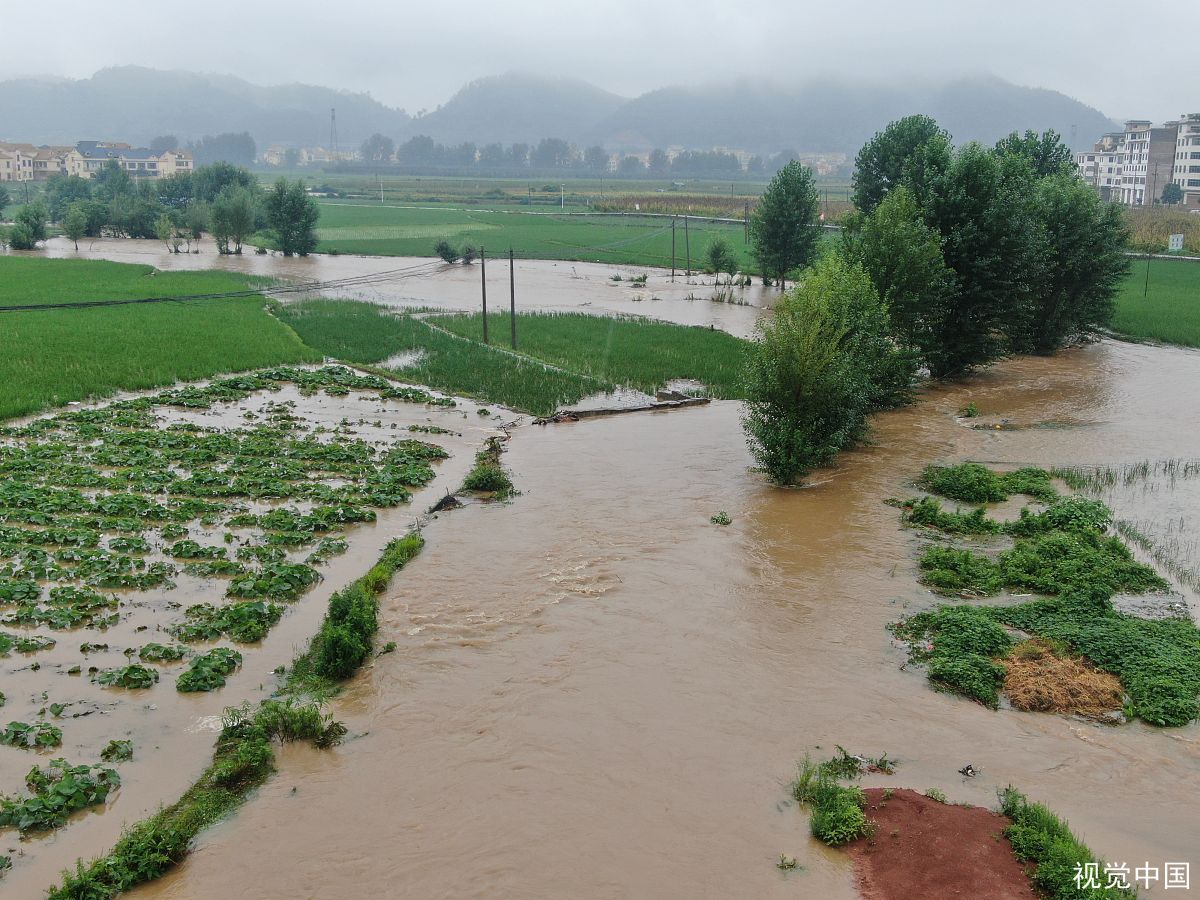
{"x":672,"y":250}
{"x":512,"y":297}
{"x":483,"y":285}
{"x":687,"y":243}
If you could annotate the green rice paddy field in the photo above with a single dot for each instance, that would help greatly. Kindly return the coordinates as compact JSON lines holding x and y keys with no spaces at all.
{"x":51,"y":357}
{"x":1168,"y":311}
{"x":386,"y":230}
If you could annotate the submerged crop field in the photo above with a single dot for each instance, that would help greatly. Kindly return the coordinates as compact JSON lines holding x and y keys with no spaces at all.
{"x":149,"y":546}
{"x":49,"y":357}
{"x":561,"y":358}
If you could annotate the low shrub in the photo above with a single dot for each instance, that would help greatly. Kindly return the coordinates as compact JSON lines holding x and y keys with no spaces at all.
{"x":955,"y":571}
{"x":974,"y":483}
{"x":838,"y":812}
{"x":343,"y":643}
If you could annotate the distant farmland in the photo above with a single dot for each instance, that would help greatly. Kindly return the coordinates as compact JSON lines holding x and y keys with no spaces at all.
{"x":386,"y":230}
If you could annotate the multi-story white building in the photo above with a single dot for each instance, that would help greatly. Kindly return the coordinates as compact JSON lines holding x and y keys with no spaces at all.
{"x":1101,"y":166}
{"x":1133,"y":166}
{"x":1187,"y":160}
{"x":1147,"y":162}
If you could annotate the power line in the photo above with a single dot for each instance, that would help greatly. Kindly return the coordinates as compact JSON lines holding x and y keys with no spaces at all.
{"x":290,"y":288}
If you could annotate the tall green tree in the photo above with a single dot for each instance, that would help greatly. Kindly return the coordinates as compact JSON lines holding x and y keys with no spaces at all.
{"x":293,"y":215}
{"x":75,"y":223}
{"x":993,"y":241}
{"x":5,"y":199}
{"x":232,"y":218}
{"x":914,"y":149}
{"x":784,"y":228}
{"x":1046,"y":152}
{"x":33,"y":218}
{"x":1084,"y":267}
{"x":903,"y":257}
{"x":1171,"y":194}
{"x":819,"y":366}
{"x":111,"y":181}
{"x":596,"y":160}
{"x":377,"y":148}
{"x":719,"y":258}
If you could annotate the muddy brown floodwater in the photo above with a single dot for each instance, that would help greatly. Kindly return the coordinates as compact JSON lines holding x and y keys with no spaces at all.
{"x":542,"y":285}
{"x":598,"y":693}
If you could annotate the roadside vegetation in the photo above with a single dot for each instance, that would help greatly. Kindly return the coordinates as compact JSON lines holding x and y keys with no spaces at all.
{"x":243,"y":758}
{"x":1064,"y":554}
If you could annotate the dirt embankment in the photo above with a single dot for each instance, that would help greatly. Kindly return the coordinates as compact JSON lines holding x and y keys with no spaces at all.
{"x":923,"y":849}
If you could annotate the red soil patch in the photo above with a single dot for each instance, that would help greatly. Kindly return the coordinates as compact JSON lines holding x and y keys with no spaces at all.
{"x":923,"y":849}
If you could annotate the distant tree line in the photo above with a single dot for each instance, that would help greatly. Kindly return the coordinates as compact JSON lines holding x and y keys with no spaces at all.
{"x":220,"y":199}
{"x":955,"y":258}
{"x":550,"y":156}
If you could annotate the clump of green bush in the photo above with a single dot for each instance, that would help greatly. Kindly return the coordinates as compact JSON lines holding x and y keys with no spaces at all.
{"x":1050,"y":562}
{"x":974,"y":483}
{"x":133,"y":677}
{"x":838,"y":811}
{"x":488,"y":476}
{"x":343,"y":643}
{"x":117,"y":751}
{"x":959,"y":645}
{"x":818,"y":368}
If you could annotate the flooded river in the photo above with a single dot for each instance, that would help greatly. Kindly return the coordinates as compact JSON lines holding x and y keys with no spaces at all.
{"x":598,"y":693}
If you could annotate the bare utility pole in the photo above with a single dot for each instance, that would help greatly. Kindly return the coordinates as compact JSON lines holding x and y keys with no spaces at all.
{"x":688,"y":248}
{"x":512,"y":297}
{"x":746,"y":224}
{"x":483,"y":285}
{"x":333,"y":131}
{"x":672,"y":249}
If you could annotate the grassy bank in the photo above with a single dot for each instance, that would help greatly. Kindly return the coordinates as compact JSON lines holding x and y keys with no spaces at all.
{"x":51,"y":357}
{"x":590,"y":354}
{"x":1168,"y":311}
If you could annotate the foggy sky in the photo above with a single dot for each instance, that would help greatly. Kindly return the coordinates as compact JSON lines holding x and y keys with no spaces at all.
{"x":1128,"y":59}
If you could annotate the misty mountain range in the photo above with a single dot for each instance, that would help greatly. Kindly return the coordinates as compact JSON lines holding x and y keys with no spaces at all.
{"x":827,"y":115}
